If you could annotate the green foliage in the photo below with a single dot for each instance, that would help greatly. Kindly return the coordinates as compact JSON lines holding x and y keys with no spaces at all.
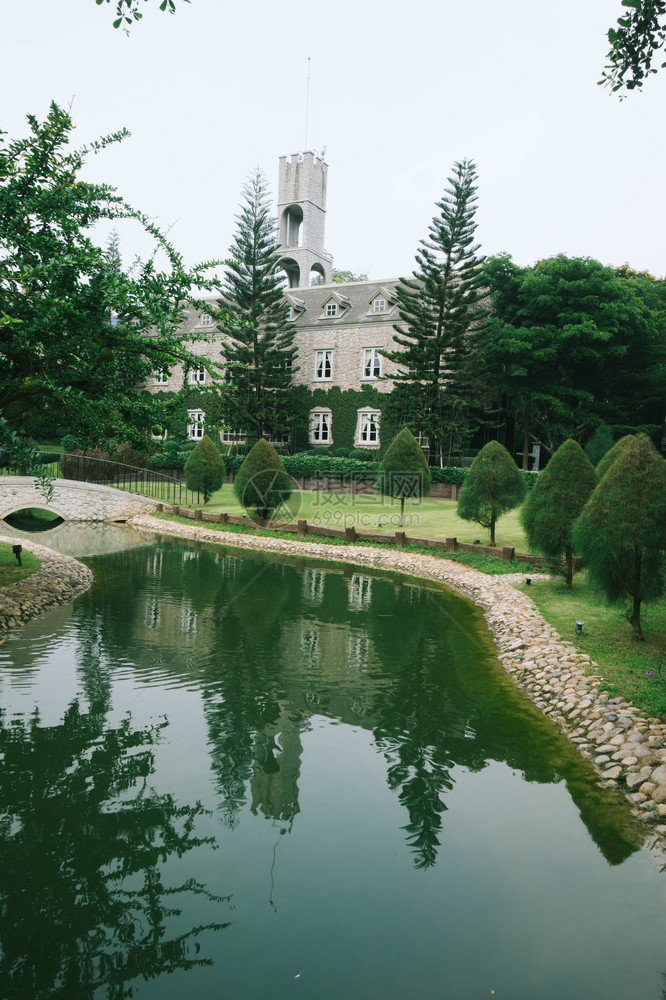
{"x":600,"y":442}
{"x":493,"y":485}
{"x":53,"y":277}
{"x":621,"y":532}
{"x":127,"y":11}
{"x":405,"y":474}
{"x":344,"y":406}
{"x":639,"y":35}
{"x":204,"y":469}
{"x":438,"y":306}
{"x":570,"y":344}
{"x":552,"y":507}
{"x":258,"y":350}
{"x":339,"y":277}
{"x":613,"y":454}
{"x":362,"y":455}
{"x":262,"y":485}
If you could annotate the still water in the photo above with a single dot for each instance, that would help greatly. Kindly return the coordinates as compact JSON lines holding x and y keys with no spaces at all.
{"x":230,"y":776}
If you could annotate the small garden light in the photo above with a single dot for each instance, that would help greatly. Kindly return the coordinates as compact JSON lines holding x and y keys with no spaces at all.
{"x":579,"y":627}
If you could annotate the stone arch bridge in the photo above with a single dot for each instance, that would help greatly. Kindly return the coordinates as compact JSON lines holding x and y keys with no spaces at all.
{"x":73,"y":500}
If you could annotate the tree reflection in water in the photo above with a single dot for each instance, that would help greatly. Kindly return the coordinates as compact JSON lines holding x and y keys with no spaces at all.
{"x":86,"y":908}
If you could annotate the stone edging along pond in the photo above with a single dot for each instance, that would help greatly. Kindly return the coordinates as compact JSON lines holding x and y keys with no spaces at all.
{"x":58,"y":579}
{"x":627,"y":750}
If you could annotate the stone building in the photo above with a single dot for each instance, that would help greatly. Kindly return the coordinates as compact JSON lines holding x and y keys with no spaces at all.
{"x":340,"y":328}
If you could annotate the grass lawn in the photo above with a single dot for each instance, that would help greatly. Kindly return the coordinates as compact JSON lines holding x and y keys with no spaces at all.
{"x":608,"y":638}
{"x":10,"y":571}
{"x":431,"y":518}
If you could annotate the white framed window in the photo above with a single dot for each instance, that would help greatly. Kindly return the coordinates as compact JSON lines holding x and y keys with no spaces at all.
{"x":320,"y":427}
{"x":230,"y":436}
{"x":372,"y":363}
{"x":331,"y":309}
{"x":379,"y":305}
{"x":160,"y":378}
{"x":323,"y":366}
{"x":197,"y":375}
{"x":367,"y":428}
{"x":205,"y":319}
{"x":195,"y":426}
{"x":285,"y":365}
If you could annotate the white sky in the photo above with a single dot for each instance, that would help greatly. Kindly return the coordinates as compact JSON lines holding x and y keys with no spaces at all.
{"x":398,"y":92}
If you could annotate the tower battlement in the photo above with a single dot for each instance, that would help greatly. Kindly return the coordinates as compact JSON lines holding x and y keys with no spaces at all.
{"x":301,"y":213}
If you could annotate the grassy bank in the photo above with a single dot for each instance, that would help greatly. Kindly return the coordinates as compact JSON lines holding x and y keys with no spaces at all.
{"x":431,"y":518}
{"x":483,"y":563}
{"x":607,"y":637}
{"x":10,"y":571}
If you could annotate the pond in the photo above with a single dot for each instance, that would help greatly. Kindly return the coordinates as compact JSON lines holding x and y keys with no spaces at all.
{"x":231,"y":775}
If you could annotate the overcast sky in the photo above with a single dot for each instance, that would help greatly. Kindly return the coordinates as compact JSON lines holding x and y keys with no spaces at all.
{"x":398,"y":92}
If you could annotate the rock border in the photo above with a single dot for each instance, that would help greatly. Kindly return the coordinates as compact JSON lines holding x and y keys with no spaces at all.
{"x":58,"y":579}
{"x":627,"y":750}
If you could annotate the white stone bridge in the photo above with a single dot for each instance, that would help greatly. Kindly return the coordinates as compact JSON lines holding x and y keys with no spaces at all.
{"x":73,"y":500}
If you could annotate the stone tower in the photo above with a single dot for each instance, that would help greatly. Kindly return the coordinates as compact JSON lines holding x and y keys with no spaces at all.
{"x":301,"y":213}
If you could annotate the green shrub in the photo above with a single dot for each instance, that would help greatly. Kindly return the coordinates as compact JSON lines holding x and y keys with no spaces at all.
{"x":405,"y":474}
{"x":493,"y":485}
{"x":549,"y":513}
{"x":204,"y":469}
{"x":262,"y":485}
{"x":362,"y":455}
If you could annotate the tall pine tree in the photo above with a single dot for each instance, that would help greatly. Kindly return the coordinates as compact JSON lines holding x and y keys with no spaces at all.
{"x":438,"y":306}
{"x":258,"y":352}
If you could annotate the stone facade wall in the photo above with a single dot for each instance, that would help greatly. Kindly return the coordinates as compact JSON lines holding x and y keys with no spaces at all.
{"x":73,"y":501}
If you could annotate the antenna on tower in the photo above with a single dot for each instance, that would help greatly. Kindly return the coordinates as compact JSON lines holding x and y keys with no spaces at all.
{"x":307,"y":107}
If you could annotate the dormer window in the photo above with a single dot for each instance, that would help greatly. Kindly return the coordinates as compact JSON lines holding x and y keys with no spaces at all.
{"x":379,"y":305}
{"x":331,"y":309}
{"x":205,"y":319}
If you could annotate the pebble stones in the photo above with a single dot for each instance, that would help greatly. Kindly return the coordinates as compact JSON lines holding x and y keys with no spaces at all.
{"x":623,"y":747}
{"x":58,"y":579}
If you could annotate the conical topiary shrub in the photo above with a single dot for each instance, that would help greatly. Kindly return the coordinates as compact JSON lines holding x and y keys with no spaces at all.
{"x":204,"y":469}
{"x":262,"y":485}
{"x":557,"y":498}
{"x":493,"y":485}
{"x":405,"y":474}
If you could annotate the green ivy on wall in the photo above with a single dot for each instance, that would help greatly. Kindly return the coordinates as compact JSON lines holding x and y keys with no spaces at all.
{"x":344,"y":406}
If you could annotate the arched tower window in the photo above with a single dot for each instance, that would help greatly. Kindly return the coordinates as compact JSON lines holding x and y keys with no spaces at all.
{"x":291,"y":225}
{"x":293,"y":272}
{"x":317,"y":276}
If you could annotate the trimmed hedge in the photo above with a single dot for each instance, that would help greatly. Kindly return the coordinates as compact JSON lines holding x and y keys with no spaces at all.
{"x":306,"y":464}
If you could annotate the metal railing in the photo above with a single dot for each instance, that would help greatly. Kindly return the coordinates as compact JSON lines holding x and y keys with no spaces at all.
{"x":102,"y":472}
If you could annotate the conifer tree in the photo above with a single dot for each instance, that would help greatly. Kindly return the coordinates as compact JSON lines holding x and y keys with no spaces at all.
{"x":556,"y":500}
{"x":600,"y":443}
{"x":621,"y":532}
{"x":258,"y":351}
{"x":438,"y":306}
{"x":613,"y":454}
{"x":493,"y":485}
{"x":204,"y":468}
{"x":262,"y":484}
{"x":405,"y":473}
